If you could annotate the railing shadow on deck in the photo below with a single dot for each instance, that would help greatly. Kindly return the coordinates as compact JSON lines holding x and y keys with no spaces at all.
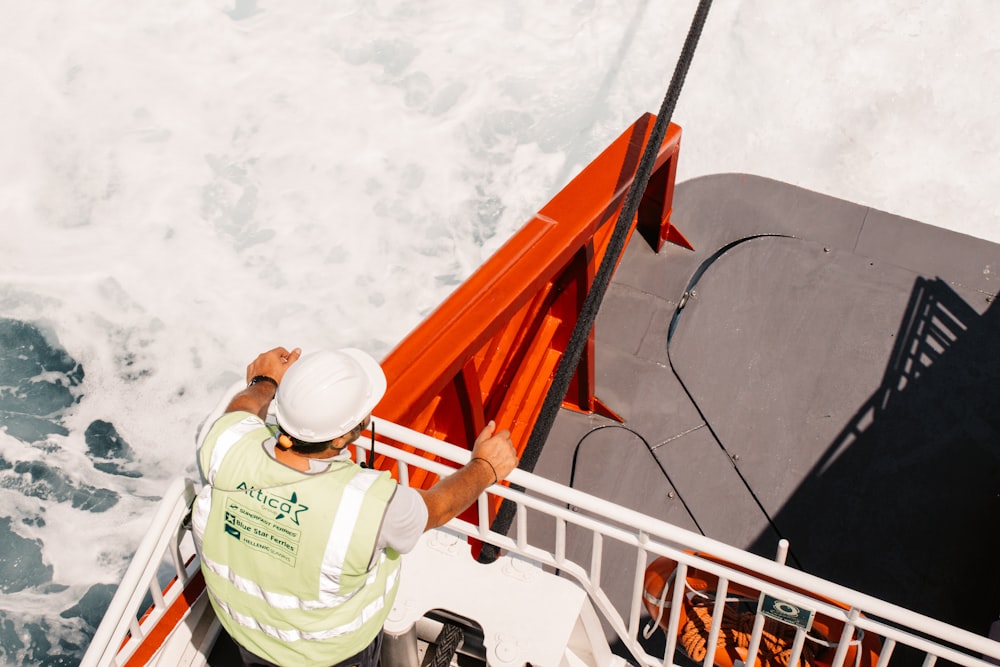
{"x":914,"y":477}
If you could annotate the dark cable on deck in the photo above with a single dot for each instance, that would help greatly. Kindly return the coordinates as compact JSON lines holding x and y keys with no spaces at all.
{"x":649,"y":448}
{"x":695,"y":277}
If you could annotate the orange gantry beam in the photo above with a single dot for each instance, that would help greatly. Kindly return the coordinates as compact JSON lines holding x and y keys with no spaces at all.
{"x":490,"y":350}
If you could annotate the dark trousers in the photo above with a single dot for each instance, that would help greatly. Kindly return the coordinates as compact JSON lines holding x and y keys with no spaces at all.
{"x":367,"y":657}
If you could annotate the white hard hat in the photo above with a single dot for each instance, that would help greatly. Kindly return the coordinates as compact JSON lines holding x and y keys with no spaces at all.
{"x":325,"y":394}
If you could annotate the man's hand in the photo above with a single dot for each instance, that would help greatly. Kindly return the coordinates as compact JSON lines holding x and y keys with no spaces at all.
{"x":497,"y":449}
{"x":256,"y":398}
{"x":273,"y":363}
{"x":454,"y":493}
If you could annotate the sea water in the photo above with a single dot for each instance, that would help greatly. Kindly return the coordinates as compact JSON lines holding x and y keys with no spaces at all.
{"x":184,"y":185}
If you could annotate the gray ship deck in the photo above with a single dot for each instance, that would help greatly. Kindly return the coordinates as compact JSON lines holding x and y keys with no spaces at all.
{"x":832,"y":379}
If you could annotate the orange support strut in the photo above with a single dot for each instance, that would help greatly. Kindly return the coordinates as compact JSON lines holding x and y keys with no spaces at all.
{"x":490,"y":350}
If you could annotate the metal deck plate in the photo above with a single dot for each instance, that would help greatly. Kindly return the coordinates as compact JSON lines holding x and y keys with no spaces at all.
{"x":832,"y":379}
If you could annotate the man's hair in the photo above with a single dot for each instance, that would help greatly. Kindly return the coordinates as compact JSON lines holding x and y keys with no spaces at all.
{"x":303,"y":447}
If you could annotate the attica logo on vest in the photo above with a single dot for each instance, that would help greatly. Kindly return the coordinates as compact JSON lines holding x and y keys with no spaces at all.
{"x":285,"y":507}
{"x":263,"y":522}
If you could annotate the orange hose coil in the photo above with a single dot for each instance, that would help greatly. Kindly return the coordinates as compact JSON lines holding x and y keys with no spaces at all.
{"x":735,"y":631}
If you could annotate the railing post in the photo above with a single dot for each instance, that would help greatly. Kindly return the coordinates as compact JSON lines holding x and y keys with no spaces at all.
{"x":845,"y":638}
{"x":755,"y":635}
{"x":676,"y":602}
{"x":521,"y":521}
{"x":800,"y":640}
{"x":637,"y":586}
{"x":596,"y":560}
{"x":717,"y":613}
{"x":782,"y":554}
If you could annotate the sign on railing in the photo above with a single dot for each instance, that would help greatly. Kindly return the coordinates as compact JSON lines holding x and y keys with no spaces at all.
{"x":786,"y":612}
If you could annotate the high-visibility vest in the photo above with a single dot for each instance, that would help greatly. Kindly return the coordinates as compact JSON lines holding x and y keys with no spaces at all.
{"x":290,"y":558}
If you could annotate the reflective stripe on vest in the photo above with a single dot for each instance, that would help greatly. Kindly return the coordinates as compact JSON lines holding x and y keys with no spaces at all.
{"x":348,"y":512}
{"x":288,"y":557}
{"x":226,"y":441}
{"x":289,"y":635}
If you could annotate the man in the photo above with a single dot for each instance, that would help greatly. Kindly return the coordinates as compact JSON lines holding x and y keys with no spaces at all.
{"x":300,"y":546}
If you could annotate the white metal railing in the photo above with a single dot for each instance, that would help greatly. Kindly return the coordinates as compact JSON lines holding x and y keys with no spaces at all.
{"x":123,"y":630}
{"x":648,"y":536}
{"x":604,"y":521}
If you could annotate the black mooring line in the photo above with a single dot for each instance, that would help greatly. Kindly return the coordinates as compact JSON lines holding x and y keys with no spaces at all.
{"x":588,"y":312}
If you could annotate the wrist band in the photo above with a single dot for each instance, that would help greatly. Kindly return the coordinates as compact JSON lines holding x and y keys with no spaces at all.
{"x":263,"y":378}
{"x":480,"y":458}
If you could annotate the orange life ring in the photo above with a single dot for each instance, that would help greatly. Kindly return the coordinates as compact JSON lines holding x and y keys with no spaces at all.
{"x":741,"y":603}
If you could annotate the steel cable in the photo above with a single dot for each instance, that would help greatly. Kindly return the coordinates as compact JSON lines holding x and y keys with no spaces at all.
{"x":588,"y":312}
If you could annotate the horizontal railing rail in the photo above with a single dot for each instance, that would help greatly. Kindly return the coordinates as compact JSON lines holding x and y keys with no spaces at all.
{"x":605,"y":522}
{"x":649,"y":537}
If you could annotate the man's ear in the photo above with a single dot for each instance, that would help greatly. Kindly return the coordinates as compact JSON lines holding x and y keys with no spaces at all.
{"x":339,"y":443}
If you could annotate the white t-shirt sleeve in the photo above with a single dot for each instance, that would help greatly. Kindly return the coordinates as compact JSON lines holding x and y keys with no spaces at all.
{"x":404,"y":521}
